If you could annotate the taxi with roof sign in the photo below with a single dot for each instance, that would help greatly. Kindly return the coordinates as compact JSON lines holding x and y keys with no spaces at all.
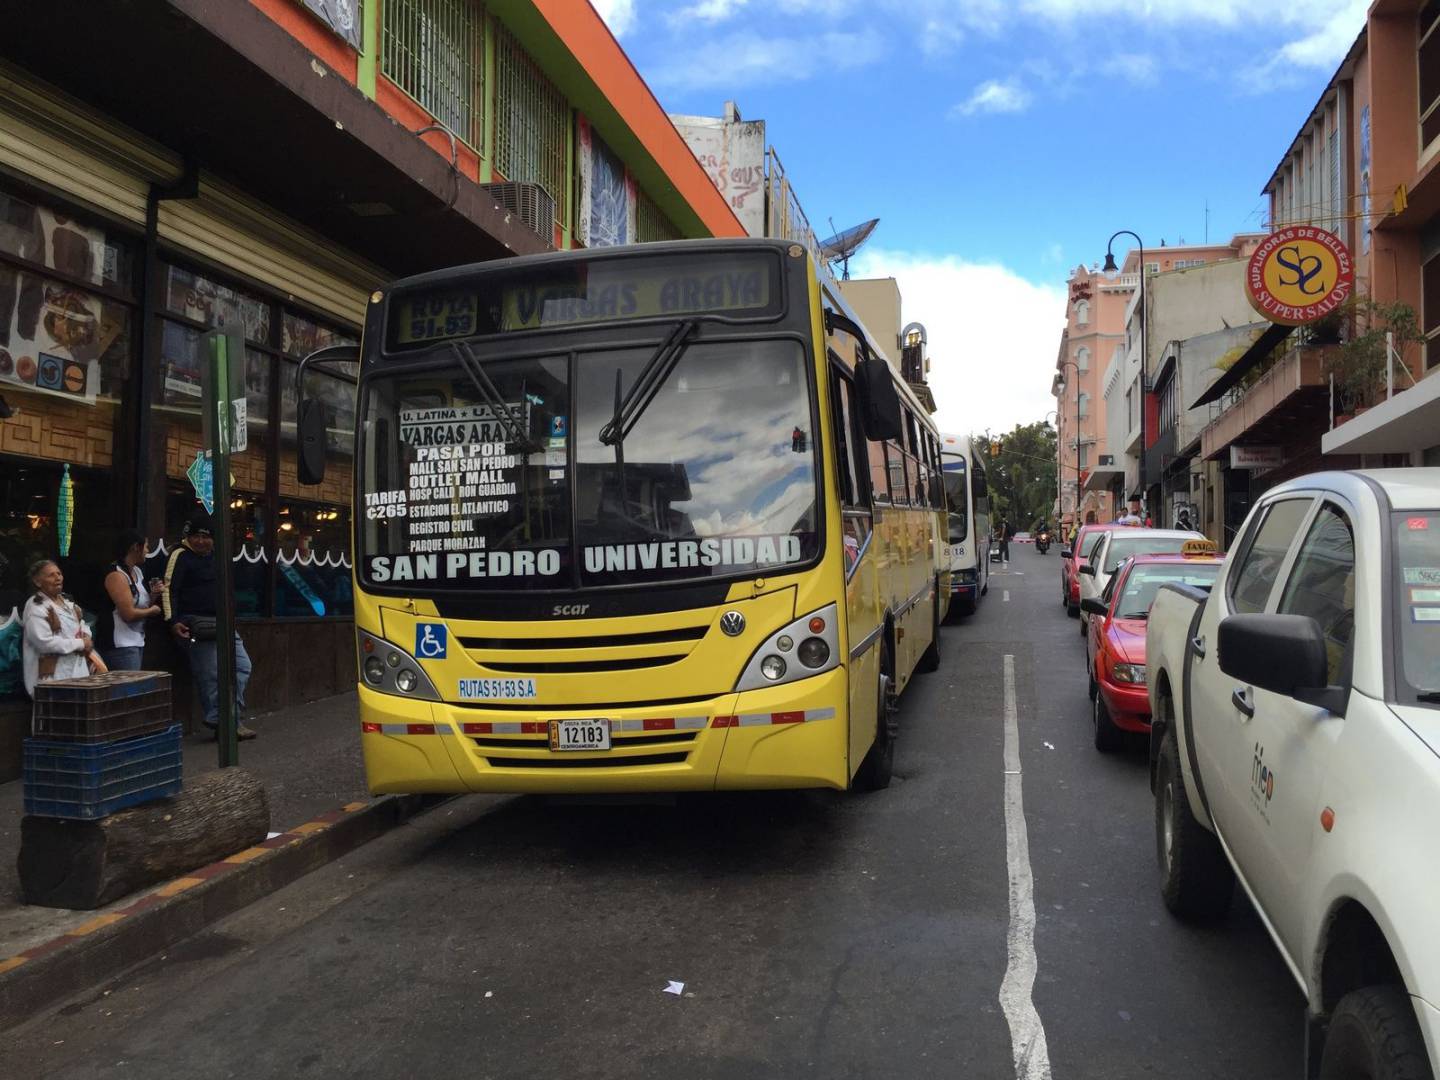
{"x":1115,"y":644}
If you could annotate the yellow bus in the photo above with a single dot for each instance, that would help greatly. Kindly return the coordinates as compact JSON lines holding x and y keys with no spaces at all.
{"x":656,"y":518}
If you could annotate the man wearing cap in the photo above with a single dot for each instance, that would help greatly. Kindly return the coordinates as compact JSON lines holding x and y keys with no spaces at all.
{"x":190,"y":586}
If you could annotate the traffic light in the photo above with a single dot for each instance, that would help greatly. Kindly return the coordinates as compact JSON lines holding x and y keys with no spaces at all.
{"x":994,"y":448}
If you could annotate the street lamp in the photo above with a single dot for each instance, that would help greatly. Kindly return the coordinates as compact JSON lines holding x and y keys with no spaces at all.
{"x":1111,"y":271}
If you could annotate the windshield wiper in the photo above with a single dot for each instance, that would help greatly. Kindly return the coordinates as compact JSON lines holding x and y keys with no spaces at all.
{"x":1429,"y":696}
{"x":1137,"y":615}
{"x":652,"y":376}
{"x":485,"y":387}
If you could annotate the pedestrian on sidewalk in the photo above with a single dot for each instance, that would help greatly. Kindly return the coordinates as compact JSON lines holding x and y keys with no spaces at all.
{"x":57,"y":641}
{"x":122,"y":630}
{"x":189,"y":604}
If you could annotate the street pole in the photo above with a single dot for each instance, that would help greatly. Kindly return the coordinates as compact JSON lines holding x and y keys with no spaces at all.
{"x":1063,"y":365}
{"x":223,"y":383}
{"x":1111,"y":271}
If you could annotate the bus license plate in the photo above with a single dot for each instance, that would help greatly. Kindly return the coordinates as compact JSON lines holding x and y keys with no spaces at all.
{"x":579,"y":734}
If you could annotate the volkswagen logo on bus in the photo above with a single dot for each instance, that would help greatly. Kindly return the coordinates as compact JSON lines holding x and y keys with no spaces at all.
{"x":733,"y":623}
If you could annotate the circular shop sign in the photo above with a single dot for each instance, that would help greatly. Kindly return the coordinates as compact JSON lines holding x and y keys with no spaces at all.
{"x":1299,"y":274}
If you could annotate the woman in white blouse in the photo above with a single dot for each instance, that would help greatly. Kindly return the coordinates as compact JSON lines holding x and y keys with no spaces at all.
{"x":57,"y":642}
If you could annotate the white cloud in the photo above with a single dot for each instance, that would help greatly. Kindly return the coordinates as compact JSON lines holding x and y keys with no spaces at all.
{"x":619,"y":15}
{"x":1133,"y":67}
{"x":993,"y":335}
{"x":1327,"y":44}
{"x":707,"y":11}
{"x":748,"y":59}
{"x":994,"y":96}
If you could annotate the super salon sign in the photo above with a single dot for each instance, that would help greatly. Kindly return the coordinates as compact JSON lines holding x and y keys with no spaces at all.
{"x":1299,"y":275}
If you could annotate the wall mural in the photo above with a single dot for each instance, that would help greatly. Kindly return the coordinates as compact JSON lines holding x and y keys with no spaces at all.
{"x":341,"y":16}
{"x":607,"y":194}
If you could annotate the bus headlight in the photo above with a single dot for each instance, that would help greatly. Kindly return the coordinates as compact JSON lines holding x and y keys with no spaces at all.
{"x":818,"y":633}
{"x":814,"y":652}
{"x":398,"y":673}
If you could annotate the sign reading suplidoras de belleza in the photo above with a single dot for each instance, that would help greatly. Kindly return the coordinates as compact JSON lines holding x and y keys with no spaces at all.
{"x":460,"y":471}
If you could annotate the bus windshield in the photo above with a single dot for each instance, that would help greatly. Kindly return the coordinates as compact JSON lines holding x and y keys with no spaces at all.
{"x":956,"y":495}
{"x":716,"y":477}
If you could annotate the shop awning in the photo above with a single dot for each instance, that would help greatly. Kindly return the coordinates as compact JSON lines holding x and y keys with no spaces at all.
{"x":1408,"y":421}
{"x":1103,"y":477}
{"x":1264,"y":345}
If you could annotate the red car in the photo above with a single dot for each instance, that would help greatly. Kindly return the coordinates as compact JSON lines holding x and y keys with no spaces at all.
{"x":1115,"y":647}
{"x":1070,"y":560}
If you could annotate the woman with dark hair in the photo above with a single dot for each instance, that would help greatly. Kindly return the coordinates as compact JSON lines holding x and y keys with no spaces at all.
{"x":57,"y":642}
{"x":134,"y":600}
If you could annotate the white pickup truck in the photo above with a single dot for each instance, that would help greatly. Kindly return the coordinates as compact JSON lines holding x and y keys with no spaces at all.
{"x":1295,"y":746}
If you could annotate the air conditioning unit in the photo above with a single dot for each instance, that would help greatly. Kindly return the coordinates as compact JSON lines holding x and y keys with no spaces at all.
{"x":531,"y":203}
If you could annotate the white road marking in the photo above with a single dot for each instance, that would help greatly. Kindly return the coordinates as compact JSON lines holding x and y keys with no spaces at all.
{"x":1007,"y":596}
{"x":1027,"y":1034}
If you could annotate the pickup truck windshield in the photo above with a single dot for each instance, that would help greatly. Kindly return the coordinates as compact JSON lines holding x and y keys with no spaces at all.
{"x":1417,"y":592}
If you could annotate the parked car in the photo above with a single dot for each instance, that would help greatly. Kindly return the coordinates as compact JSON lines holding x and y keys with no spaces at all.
{"x":1071,"y":559}
{"x":1296,"y":745}
{"x":1115,"y":547}
{"x":1115,"y":647}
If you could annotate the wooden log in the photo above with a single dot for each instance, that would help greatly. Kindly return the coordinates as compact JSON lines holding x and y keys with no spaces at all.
{"x":86,"y":864}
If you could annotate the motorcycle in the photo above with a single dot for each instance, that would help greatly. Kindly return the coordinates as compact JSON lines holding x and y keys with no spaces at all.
{"x":1042,"y":541}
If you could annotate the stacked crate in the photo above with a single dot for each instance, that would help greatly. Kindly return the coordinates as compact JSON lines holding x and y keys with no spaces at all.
{"x":100,"y":744}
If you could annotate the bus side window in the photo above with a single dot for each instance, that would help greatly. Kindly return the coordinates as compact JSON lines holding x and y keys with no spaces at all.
{"x":899,"y":484}
{"x":937,"y":479}
{"x":879,"y":472}
{"x":849,"y":464}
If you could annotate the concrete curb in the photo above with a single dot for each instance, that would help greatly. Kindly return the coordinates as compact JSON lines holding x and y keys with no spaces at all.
{"x":100,"y":949}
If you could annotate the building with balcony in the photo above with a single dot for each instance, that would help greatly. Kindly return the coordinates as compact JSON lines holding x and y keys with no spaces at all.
{"x":184,"y":164}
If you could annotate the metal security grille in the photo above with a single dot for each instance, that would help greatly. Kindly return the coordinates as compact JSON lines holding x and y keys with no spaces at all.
{"x":531,"y":123}
{"x":651,"y":224}
{"x":434,"y":50}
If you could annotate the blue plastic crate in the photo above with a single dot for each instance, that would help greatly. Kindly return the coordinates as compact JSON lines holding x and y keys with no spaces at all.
{"x":88,"y":781}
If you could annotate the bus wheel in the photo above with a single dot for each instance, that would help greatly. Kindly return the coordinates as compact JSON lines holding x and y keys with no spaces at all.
{"x":879,"y":764}
{"x":930,"y":658}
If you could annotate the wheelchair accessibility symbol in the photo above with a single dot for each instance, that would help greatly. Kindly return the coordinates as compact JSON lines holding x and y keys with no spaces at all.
{"x":430,"y":641}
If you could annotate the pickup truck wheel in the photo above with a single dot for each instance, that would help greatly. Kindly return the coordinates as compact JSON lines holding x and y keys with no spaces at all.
{"x":1196,"y":881}
{"x":1373,"y":1034}
{"x":1107,"y":736}
{"x":879,"y":764}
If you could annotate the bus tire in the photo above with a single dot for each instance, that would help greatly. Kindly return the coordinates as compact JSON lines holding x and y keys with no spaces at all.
{"x":930,"y":658}
{"x":878,"y":767}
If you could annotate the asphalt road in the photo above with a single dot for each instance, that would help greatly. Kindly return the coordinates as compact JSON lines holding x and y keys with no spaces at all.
{"x":816,"y":934}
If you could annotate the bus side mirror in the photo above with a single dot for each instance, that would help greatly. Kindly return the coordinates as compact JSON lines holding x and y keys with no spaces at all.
{"x":310,"y":442}
{"x":881,"y":403}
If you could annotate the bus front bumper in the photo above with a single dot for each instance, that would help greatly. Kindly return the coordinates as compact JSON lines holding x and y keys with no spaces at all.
{"x":789,"y":736}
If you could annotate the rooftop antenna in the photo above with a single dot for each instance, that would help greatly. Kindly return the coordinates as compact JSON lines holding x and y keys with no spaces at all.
{"x":842,"y":245}
{"x":1207,"y":222}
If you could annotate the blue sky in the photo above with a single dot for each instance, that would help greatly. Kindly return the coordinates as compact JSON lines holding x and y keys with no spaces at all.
{"x":1001,"y":142}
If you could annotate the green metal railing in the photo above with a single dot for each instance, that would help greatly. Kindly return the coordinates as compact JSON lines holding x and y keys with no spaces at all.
{"x":532,"y":124}
{"x":434,"y":50}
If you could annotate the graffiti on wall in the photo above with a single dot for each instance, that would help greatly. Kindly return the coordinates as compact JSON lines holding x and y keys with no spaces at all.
{"x":733,"y":156}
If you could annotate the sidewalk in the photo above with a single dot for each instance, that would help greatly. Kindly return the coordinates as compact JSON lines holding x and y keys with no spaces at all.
{"x":308,"y":757}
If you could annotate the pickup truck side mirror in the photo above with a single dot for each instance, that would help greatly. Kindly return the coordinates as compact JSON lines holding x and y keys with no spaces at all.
{"x":1093,"y":605}
{"x":1087,"y":569}
{"x":1284,"y":654}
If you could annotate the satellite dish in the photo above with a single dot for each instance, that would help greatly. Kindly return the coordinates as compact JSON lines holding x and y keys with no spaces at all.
{"x":842,"y":245}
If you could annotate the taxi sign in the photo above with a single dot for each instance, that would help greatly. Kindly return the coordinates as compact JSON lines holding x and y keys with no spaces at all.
{"x":1193,"y":548}
{"x":1299,"y":274}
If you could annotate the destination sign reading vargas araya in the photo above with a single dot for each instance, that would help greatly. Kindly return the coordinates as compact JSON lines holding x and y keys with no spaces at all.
{"x":1299,"y":274}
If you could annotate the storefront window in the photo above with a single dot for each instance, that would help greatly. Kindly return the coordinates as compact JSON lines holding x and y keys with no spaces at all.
{"x":30,"y":505}
{"x":301,"y":336}
{"x":206,"y":301}
{"x":49,"y":238}
{"x":250,"y":571}
{"x":312,"y":573}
